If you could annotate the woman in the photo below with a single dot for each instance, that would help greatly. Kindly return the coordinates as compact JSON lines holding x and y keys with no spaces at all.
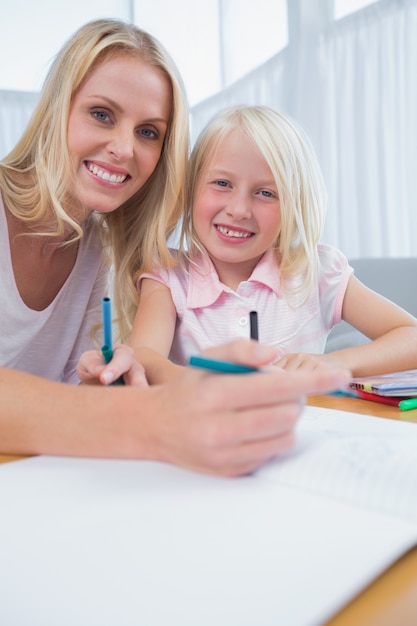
{"x":99,"y":168}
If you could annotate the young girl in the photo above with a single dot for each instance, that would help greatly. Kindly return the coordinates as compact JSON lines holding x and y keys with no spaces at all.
{"x":250,"y":240}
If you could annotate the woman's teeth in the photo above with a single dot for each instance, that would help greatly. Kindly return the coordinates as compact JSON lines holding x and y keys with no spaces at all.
{"x":112,"y":178}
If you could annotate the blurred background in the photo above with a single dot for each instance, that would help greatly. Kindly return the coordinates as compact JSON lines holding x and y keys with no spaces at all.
{"x":346,"y":70}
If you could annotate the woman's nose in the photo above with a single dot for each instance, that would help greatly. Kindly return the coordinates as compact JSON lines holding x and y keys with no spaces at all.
{"x":121,"y":144}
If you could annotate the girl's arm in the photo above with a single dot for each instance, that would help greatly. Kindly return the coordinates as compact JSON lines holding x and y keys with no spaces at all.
{"x":393,"y":334}
{"x":392,"y":330}
{"x":153,"y":331}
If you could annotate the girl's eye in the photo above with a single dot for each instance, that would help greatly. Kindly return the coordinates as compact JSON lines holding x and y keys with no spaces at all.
{"x":266,"y":193}
{"x":221,"y":183}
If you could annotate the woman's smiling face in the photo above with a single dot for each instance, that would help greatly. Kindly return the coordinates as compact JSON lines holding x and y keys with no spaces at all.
{"x":117,"y":125}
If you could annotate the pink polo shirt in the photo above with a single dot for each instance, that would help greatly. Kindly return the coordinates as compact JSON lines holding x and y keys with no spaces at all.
{"x":210,"y":313}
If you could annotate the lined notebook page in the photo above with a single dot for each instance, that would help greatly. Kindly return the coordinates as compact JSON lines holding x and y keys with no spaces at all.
{"x":366,"y":461}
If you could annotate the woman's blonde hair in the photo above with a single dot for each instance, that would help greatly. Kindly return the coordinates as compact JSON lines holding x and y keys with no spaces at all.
{"x":36,"y":175}
{"x":294,"y":166}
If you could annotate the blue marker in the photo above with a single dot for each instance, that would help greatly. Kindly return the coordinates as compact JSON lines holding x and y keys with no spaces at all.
{"x":107,"y":327}
{"x":224,"y":367}
{"x":107,"y":348}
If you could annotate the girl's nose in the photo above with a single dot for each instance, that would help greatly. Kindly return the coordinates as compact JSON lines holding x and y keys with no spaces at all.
{"x":239,"y":207}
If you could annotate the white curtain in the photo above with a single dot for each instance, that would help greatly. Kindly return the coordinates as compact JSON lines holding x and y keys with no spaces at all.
{"x":368,"y":145}
{"x":15,"y":110}
{"x":352,"y":84}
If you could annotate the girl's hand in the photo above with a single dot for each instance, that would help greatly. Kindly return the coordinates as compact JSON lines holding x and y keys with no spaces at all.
{"x":92,"y":370}
{"x":308,"y":362}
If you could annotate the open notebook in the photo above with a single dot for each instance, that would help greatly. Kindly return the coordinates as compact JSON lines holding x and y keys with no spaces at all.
{"x":395,"y":384}
{"x":133,"y":543}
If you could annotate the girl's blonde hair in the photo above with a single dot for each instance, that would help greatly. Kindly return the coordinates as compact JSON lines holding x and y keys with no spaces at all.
{"x":294,"y":166}
{"x":36,"y":175}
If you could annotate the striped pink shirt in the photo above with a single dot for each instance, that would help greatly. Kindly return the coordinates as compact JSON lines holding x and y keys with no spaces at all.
{"x":210,"y":313}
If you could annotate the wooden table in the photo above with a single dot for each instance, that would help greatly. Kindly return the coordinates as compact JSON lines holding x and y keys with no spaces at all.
{"x":6,"y":458}
{"x":391,"y":600}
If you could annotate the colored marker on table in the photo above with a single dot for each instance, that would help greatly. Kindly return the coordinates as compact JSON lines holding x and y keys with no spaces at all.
{"x":408,"y":405}
{"x":253,"y":318}
{"x":343,"y":393}
{"x":366,"y":395}
{"x":107,"y":348}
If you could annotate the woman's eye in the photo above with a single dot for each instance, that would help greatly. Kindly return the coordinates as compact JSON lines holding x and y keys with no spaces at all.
{"x":101,"y":116}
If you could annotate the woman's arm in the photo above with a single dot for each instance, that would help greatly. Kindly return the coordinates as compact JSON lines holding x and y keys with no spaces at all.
{"x":393,"y":333}
{"x":215,"y":423}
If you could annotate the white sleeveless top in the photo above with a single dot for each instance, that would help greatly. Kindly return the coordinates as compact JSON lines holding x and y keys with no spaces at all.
{"x":49,"y":342}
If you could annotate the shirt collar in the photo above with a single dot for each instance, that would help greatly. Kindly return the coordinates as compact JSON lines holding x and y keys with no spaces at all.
{"x":205,"y":286}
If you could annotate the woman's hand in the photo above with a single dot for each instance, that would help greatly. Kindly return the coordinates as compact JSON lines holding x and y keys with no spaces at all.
{"x":230,"y":424}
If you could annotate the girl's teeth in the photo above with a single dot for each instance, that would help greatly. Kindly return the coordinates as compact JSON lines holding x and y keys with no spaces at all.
{"x":113,"y":178}
{"x":233,"y":233}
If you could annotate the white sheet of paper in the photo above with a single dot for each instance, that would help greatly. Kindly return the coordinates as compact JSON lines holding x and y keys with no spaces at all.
{"x":135,"y":543}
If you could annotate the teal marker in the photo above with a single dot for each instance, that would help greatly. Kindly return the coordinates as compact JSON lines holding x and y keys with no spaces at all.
{"x":107,"y":353}
{"x":107,"y":327}
{"x":107,"y":349}
{"x":224,"y":367}
{"x":407,"y":405}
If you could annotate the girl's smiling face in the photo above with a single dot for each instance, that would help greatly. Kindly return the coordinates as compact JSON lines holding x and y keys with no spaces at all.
{"x":236,"y":209}
{"x":117,"y":124}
